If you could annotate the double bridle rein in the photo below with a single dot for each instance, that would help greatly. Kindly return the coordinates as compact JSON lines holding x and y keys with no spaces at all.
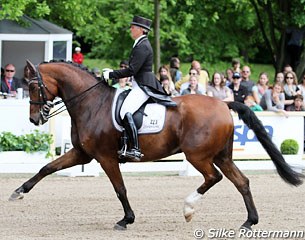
{"x":45,"y":104}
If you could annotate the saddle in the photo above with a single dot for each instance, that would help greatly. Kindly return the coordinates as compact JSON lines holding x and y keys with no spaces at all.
{"x":152,"y":112}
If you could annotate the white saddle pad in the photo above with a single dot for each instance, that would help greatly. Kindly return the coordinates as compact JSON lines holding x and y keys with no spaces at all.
{"x":153,"y":120}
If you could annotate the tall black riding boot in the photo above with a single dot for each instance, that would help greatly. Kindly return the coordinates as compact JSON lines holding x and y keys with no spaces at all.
{"x":132,"y":133}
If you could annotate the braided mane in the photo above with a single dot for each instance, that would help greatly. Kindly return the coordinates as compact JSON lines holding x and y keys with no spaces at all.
{"x":81,"y":66}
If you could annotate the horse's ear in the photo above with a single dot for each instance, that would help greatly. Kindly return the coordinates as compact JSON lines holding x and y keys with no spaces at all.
{"x":31,"y":67}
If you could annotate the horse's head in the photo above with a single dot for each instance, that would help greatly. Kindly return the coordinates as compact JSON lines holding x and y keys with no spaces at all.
{"x":41,"y":93}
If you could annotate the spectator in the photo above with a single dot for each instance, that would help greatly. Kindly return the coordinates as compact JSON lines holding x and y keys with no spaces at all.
{"x":250,"y":102}
{"x":193,"y":87}
{"x":175,"y":73}
{"x":9,"y":83}
{"x":122,"y":84}
{"x":239,"y":92}
{"x":228,"y":77}
{"x":298,"y":104}
{"x":246,"y":82}
{"x":236,"y":65}
{"x":123,"y":65}
{"x":165,"y":82}
{"x":287,"y":68}
{"x":291,"y":88}
{"x":163,"y":70}
{"x":97,"y":73}
{"x":260,"y":88}
{"x":78,"y":57}
{"x":280,"y":77}
{"x":219,"y":89}
{"x":274,"y":99}
{"x":302,"y":87}
{"x":185,"y":82}
{"x":203,"y":75}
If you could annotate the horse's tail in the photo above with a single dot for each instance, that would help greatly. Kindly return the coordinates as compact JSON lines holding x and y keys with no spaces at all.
{"x":251,"y":120}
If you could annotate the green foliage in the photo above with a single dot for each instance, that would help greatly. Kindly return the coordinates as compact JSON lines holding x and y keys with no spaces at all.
{"x":289,"y":147}
{"x":32,"y":142}
{"x":190,"y":29}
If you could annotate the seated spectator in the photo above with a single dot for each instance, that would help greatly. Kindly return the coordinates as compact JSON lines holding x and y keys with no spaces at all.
{"x":291,"y":88}
{"x":9,"y":83}
{"x":246,"y":81}
{"x":163,"y":70}
{"x":203,"y":75}
{"x":185,"y":82}
{"x":280,"y":77}
{"x":239,"y":92}
{"x":175,"y":72}
{"x":260,"y":88}
{"x":122,"y":84}
{"x":301,"y":86}
{"x":250,"y":102}
{"x":228,"y":77}
{"x":298,"y":104}
{"x":193,"y":87}
{"x":274,"y":99}
{"x":123,"y":65}
{"x":219,"y":89}
{"x":171,"y":91}
{"x":97,"y":73}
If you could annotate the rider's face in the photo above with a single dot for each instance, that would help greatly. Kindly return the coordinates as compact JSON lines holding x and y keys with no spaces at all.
{"x":135,"y":31}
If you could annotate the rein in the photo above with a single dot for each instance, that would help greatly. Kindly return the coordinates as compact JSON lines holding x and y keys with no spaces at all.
{"x":47,"y":105}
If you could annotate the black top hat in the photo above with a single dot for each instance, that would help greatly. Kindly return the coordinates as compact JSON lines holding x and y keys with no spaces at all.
{"x":141,"y":22}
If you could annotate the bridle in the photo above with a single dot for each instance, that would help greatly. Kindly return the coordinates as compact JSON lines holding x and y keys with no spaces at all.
{"x":44,"y":103}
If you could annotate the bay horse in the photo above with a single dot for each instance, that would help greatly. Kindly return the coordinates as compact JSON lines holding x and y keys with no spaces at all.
{"x":200,"y":126}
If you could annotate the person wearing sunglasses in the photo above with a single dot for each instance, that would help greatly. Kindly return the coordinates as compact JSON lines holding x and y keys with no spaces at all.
{"x":291,"y":88}
{"x":9,"y":83}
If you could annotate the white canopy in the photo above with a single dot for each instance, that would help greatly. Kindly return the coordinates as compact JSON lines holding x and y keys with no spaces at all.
{"x":36,"y":40}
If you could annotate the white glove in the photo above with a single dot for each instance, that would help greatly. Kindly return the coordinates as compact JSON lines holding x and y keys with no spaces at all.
{"x":106,"y":72}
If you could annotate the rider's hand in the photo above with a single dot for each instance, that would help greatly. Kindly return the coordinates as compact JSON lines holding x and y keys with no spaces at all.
{"x":106,"y":72}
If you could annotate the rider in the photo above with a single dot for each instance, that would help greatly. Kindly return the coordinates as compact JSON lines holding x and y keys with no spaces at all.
{"x":140,"y":67}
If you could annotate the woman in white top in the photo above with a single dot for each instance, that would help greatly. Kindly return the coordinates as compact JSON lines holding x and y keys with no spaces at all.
{"x":260,"y":88}
{"x":219,"y":89}
{"x":274,"y":99}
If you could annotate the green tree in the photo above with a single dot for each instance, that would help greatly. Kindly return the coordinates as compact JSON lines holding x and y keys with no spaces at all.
{"x":190,"y":29}
{"x":274,"y":19}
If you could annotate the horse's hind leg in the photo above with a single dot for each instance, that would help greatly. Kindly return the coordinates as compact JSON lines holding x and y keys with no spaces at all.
{"x":241,"y":182}
{"x":70,"y":159}
{"x":211,"y":176}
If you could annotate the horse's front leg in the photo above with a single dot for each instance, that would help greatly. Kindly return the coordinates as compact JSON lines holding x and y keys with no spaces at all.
{"x":70,"y":159}
{"x":111,"y":168}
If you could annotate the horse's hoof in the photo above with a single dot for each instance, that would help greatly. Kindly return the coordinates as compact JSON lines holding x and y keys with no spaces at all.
{"x":119,"y":227}
{"x":16,"y":196}
{"x":248,"y":229}
{"x":188,"y":213}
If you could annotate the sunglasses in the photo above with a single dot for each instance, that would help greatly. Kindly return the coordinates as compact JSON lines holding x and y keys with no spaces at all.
{"x":8,"y":70}
{"x":193,"y":73}
{"x":246,"y":71}
{"x":289,"y":77}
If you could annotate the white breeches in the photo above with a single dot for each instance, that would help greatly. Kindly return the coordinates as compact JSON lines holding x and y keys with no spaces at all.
{"x":134,"y":100}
